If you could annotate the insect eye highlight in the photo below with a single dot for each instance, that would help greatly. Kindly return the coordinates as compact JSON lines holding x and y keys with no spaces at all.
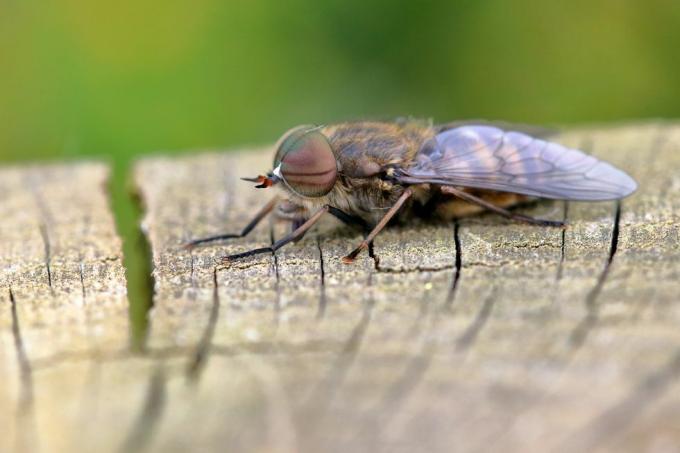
{"x":307,"y":163}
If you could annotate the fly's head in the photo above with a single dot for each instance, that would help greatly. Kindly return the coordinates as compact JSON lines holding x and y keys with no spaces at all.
{"x":304,"y":163}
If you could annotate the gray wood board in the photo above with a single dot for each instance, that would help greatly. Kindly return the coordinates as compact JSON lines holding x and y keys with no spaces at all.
{"x":483,"y":335}
{"x":63,"y":299}
{"x":549,"y":341}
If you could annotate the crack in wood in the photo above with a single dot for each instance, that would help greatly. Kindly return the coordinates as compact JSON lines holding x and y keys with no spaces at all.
{"x":25,"y":370}
{"x":583,"y":329}
{"x":374,"y":257}
{"x":457,"y":266}
{"x":563,"y":242}
{"x":27,"y":439}
{"x":48,"y":254}
{"x":144,"y":427}
{"x":200,"y":356}
{"x":321,"y":310}
{"x":46,"y":220}
{"x":275,"y":263}
{"x":81,"y":272}
{"x":192,"y":272}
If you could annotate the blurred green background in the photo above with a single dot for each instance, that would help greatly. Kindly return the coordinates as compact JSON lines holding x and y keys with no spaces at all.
{"x":119,"y":79}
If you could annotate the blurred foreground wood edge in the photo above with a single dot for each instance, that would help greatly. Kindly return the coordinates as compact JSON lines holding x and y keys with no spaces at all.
{"x":479,"y":336}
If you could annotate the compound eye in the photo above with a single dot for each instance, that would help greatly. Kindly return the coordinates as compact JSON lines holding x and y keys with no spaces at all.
{"x":308,"y":165}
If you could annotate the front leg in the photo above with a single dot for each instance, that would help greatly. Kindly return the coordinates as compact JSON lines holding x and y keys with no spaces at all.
{"x":261,"y":214}
{"x":293,"y":236}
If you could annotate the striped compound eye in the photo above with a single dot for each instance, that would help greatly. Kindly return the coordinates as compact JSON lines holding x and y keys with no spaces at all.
{"x":306,"y":163}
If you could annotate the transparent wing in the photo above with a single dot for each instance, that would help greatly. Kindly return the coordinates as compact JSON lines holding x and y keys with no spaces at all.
{"x":486,"y":157}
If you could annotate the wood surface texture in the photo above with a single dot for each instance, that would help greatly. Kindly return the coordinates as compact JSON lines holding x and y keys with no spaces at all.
{"x":483,"y":335}
{"x":63,"y":305}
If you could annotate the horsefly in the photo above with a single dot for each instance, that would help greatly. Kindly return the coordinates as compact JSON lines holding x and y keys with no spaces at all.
{"x":369,"y":173}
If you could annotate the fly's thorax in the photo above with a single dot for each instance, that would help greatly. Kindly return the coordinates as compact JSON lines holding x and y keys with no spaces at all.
{"x":365,"y":148}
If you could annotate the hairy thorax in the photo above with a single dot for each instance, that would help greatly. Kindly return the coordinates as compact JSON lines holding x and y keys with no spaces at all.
{"x":367,"y":153}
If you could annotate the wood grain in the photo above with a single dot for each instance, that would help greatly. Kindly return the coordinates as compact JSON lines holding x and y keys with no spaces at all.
{"x":483,"y":335}
{"x":63,"y":300}
{"x":548,"y":340}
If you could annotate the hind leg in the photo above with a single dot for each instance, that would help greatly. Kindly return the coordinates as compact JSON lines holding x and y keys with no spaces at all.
{"x":452,"y":207}
{"x":467,"y":203}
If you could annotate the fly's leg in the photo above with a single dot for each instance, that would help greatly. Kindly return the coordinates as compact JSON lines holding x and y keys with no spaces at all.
{"x":378,"y":228}
{"x":293,"y":236}
{"x":498,"y":210}
{"x":262,"y":213}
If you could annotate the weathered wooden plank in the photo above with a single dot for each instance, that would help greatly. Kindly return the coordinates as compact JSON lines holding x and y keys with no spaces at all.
{"x":63,"y":297}
{"x":477,"y":336}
